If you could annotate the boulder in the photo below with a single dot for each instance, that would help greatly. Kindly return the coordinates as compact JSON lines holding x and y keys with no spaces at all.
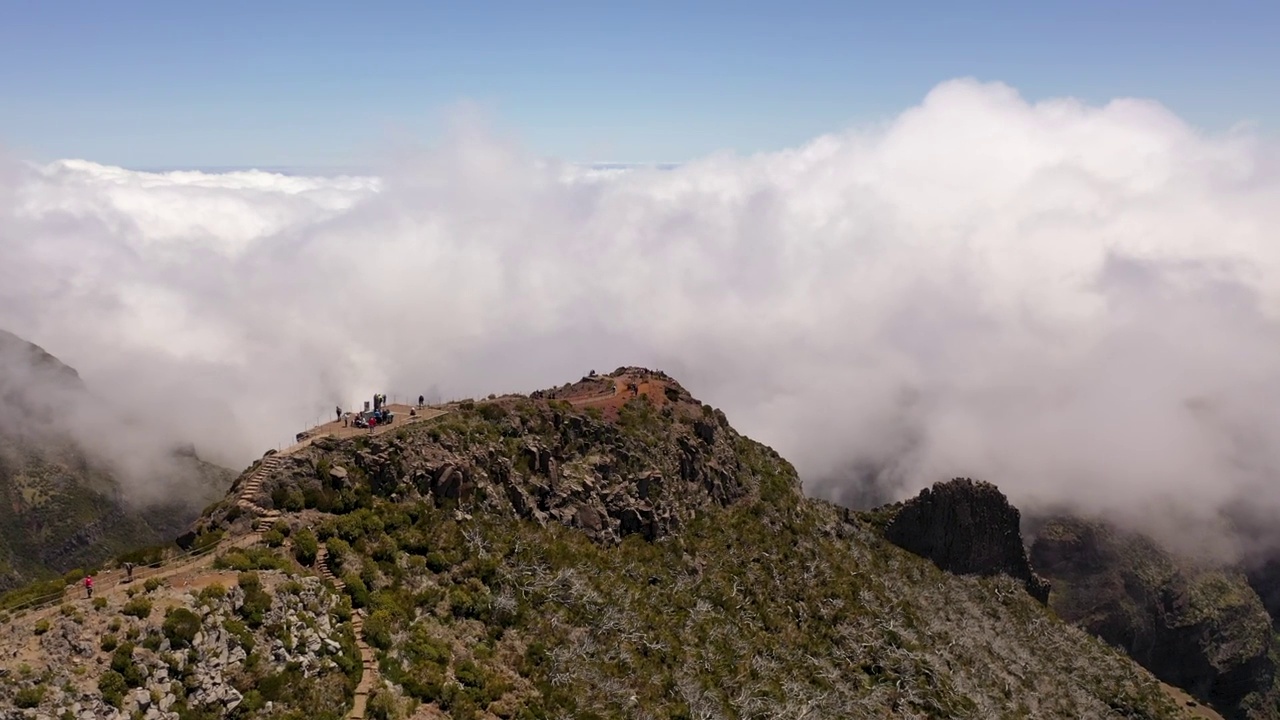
{"x":968,"y":528}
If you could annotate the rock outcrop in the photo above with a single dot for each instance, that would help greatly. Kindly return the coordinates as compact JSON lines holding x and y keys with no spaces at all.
{"x":643,"y":461}
{"x":969,"y":528}
{"x":1201,"y":628}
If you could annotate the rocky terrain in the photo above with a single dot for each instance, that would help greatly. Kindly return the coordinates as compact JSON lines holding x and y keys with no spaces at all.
{"x":61,"y":507}
{"x":233,"y":643}
{"x":1202,"y":628}
{"x":611,"y":548}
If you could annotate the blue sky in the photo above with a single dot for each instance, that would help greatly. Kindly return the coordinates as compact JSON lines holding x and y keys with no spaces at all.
{"x":152,"y":84}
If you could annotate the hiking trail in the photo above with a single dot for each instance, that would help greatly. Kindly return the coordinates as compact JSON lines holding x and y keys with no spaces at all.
{"x":369,"y":672}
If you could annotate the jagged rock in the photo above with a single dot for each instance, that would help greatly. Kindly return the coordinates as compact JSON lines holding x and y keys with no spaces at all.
{"x":141,"y":698}
{"x":325,"y":442}
{"x":1199,"y":628}
{"x":588,"y":519}
{"x":966,"y":527}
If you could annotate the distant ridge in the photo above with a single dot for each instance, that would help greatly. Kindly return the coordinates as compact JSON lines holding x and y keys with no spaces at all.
{"x":336,"y":170}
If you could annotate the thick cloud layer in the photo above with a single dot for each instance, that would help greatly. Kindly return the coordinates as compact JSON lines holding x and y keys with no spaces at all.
{"x":1078,"y":303}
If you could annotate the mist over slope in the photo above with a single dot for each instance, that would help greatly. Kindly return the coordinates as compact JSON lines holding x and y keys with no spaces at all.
{"x":79,"y":481}
{"x":1076,"y":302}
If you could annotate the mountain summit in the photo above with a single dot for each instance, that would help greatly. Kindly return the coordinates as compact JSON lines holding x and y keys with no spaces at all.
{"x":606,"y":548}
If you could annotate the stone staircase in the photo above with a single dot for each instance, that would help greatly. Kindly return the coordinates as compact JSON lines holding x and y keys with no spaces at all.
{"x":244,"y":499}
{"x":370,"y":665}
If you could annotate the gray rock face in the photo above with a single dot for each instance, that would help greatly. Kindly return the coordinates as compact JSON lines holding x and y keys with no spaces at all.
{"x":968,"y":528}
{"x":1200,"y":628}
{"x":641,"y":468}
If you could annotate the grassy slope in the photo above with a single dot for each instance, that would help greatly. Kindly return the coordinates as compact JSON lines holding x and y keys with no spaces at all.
{"x":1199,"y":627}
{"x":769,"y":606}
{"x":773,"y":606}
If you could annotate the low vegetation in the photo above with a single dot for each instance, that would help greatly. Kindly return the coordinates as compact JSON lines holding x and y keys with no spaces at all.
{"x":524,"y":559}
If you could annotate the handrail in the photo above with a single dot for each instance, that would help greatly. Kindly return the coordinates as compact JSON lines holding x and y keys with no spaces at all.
{"x":51,"y":598}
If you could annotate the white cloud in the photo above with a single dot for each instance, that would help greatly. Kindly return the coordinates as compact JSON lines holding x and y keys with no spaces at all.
{"x":1079,"y":303}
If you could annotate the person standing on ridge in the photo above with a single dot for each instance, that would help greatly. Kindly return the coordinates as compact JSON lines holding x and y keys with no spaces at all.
{"x":128,"y":572}
{"x":338,"y":410}
{"x":88,"y":586}
{"x":420,"y":401}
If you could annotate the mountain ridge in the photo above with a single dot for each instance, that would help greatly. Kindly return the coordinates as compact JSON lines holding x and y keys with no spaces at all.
{"x":608,"y":548}
{"x":62,"y":506}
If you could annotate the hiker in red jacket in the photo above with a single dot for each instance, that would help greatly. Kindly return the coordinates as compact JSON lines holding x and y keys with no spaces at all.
{"x":88,"y":586}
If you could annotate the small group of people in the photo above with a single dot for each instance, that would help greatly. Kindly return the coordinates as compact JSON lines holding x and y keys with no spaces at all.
{"x":88,"y":580}
{"x":380,"y":415}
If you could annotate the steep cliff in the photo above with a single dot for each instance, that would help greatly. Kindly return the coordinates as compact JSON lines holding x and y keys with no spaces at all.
{"x":1202,"y":628}
{"x":966,"y":527}
{"x":61,"y":507}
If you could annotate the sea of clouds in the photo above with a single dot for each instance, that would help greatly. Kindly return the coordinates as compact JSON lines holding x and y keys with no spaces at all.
{"x":1076,"y":302}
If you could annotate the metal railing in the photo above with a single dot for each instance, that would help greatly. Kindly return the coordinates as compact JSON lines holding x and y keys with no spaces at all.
{"x":392,"y":399}
{"x":139,"y":572}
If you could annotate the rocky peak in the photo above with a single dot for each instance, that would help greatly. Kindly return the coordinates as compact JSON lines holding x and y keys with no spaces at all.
{"x":613,"y":455}
{"x":966,"y":527}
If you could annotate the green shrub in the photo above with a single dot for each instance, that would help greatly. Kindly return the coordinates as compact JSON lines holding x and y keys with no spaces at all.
{"x":384,"y":706}
{"x":254,"y":558}
{"x":29,"y":697}
{"x":212,"y":593}
{"x":241,"y":633}
{"x":143,"y":556}
{"x":288,"y":498}
{"x":338,"y":548}
{"x":152,"y":584}
{"x":99,"y":603}
{"x":356,"y":590}
{"x":113,"y":687}
{"x":211,"y":538}
{"x":49,"y":589}
{"x":305,"y":547}
{"x":122,"y":663}
{"x":437,"y":562}
{"x":138,"y":607}
{"x":151,"y":640}
{"x":108,"y":642}
{"x":42,"y":627}
{"x":180,"y":627}
{"x":377,"y":629}
{"x":256,"y":600}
